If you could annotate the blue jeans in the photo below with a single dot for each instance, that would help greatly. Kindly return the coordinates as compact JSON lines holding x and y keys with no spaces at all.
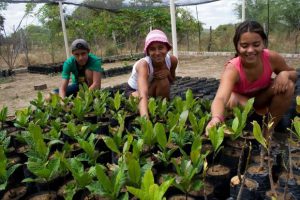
{"x":71,"y":90}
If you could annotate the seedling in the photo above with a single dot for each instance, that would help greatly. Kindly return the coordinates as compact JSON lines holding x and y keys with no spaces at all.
{"x":149,"y":190}
{"x":164,"y":144}
{"x":241,"y":115}
{"x":265,"y":140}
{"x":3,"y":116}
{"x":109,"y":186}
{"x":216,"y":136}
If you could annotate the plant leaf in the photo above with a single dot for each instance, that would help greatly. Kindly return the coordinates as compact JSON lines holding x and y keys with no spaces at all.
{"x":134,"y":170}
{"x":110,"y":143}
{"x":160,"y":135}
{"x":103,"y":179}
{"x":147,"y":180}
{"x":258,"y":134}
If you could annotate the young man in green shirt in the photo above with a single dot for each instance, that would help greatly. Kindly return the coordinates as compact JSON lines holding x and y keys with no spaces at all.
{"x":83,"y":66}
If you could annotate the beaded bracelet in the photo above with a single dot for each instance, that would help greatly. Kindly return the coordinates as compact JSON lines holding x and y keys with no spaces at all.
{"x":220,"y":118}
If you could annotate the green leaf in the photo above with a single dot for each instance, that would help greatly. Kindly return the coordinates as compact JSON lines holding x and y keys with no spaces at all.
{"x":152,"y":106}
{"x":110,"y":143}
{"x":216,"y":136}
{"x":128,"y":143}
{"x":119,"y":181}
{"x":235,"y":124}
{"x":197,"y":144}
{"x":247,"y":108}
{"x":193,"y":121}
{"x":103,"y":179}
{"x":3,"y":114}
{"x":160,"y":133}
{"x":164,"y":187}
{"x":201,"y":124}
{"x":296,"y":124}
{"x":148,"y":180}
{"x":189,"y":99}
{"x":39,"y":145}
{"x":117,"y":101}
{"x":134,"y":171}
{"x":258,"y":134}
{"x":87,"y":147}
{"x":197,"y":185}
{"x":136,"y":192}
{"x":183,"y":117}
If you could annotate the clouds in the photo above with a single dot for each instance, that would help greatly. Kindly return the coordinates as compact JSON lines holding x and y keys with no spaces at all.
{"x":13,"y":16}
{"x":216,"y":13}
{"x":211,"y":14}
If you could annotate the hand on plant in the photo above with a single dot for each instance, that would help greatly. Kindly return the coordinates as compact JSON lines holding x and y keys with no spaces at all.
{"x":161,"y":74}
{"x":281,"y":81}
{"x":213,"y":122}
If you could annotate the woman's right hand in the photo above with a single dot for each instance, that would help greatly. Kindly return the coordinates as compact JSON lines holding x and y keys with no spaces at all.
{"x":213,"y":122}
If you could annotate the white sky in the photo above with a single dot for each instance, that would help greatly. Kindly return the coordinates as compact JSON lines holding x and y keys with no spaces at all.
{"x":211,"y":14}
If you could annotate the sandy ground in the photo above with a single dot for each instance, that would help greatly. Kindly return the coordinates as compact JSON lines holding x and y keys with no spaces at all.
{"x":17,"y":92}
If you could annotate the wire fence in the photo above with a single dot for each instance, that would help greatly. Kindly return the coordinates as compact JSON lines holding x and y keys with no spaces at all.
{"x":110,"y":33}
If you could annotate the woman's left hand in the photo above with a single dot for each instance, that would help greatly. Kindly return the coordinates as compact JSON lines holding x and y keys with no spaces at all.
{"x":280,"y":84}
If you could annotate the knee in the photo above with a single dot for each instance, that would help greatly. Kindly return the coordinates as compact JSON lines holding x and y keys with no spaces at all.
{"x":161,"y":83}
{"x":89,"y":76}
{"x":164,"y":83}
{"x":290,"y":90}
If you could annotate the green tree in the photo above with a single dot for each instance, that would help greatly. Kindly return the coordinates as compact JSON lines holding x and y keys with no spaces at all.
{"x":221,"y":35}
{"x":187,"y":27}
{"x":284,"y":19}
{"x":49,"y":16}
{"x":3,"y":6}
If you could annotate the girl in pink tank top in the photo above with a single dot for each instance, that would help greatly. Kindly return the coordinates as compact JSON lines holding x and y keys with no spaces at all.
{"x":245,"y":87}
{"x":249,"y":75}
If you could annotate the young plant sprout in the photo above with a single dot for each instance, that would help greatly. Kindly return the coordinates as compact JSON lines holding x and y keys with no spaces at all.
{"x":216,"y":136}
{"x":3,"y":116}
{"x":149,"y":190}
{"x":265,"y":139}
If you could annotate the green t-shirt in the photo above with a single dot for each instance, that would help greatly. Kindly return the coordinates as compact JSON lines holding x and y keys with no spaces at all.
{"x":70,"y":66}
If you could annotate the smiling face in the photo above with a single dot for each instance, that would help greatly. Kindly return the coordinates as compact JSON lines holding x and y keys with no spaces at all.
{"x":157,"y":51}
{"x":250,"y":47}
{"x":81,"y":56}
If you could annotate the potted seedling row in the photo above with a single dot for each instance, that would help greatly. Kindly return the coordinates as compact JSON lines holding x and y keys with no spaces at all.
{"x":95,"y":145}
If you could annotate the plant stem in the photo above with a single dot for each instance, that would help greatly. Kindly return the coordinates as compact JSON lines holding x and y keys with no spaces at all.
{"x":270,"y":133}
{"x":262,"y":157}
{"x":240,"y":162}
{"x":239,"y":197}
{"x":213,"y":162}
{"x":286,"y":186}
{"x":204,"y":177}
{"x":291,"y":173}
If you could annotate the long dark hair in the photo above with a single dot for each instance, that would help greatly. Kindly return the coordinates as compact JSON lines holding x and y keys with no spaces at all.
{"x":249,"y":26}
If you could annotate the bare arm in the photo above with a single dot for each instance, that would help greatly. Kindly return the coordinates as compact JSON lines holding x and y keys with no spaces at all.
{"x":143,"y":85}
{"x":96,"y":80}
{"x":174,"y":62}
{"x":228,"y":79}
{"x":63,"y":88}
{"x":283,"y":71}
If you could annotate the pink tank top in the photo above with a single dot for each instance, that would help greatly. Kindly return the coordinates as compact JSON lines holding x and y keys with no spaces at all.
{"x":244,"y":86}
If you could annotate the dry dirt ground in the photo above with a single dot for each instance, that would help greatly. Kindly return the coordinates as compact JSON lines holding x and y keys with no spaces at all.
{"x":18,"y":91}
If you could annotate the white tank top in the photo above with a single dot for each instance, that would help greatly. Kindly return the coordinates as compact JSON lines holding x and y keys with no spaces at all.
{"x":132,"y":82}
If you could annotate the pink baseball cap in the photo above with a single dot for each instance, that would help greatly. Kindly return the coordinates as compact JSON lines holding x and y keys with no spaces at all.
{"x":156,"y":36}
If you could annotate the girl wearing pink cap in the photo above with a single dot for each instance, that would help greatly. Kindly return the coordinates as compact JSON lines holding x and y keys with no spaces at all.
{"x":249,"y":75}
{"x":153,"y":74}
